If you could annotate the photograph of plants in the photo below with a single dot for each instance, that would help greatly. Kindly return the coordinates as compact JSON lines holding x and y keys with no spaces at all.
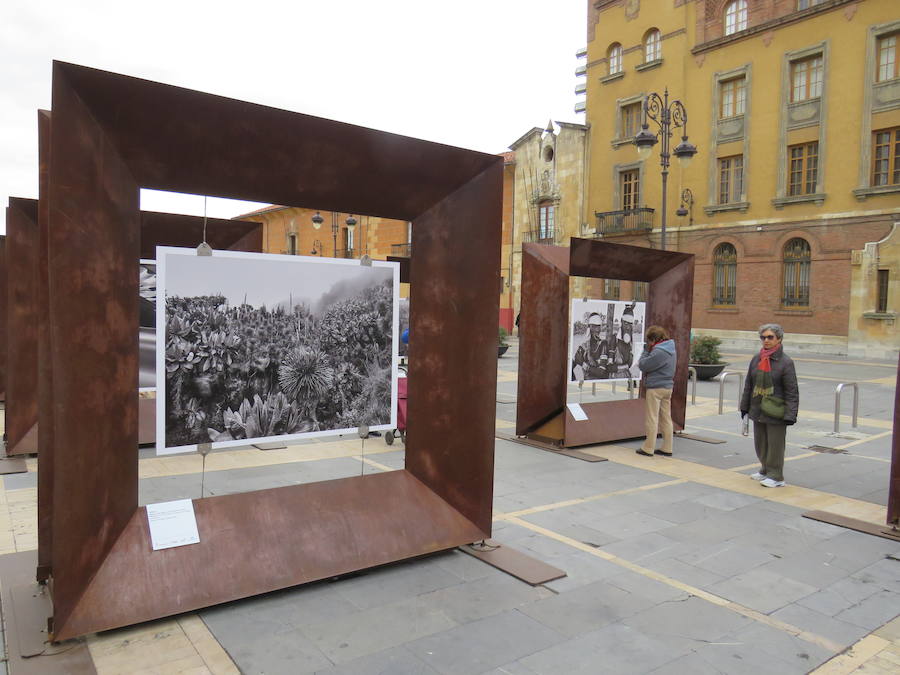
{"x":257,"y":346}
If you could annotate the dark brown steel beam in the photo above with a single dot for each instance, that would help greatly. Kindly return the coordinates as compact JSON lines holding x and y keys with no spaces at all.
{"x":2,"y":316}
{"x":893,"y":509}
{"x":544,"y":335}
{"x":22,"y":328}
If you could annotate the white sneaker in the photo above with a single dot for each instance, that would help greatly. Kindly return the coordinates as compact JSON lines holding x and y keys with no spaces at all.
{"x":758,"y":476}
{"x":769,"y":482}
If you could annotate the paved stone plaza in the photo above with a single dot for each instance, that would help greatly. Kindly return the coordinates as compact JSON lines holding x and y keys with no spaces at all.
{"x":680,"y":565}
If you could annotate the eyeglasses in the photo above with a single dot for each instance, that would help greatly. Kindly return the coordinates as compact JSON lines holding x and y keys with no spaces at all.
{"x":768,"y":337}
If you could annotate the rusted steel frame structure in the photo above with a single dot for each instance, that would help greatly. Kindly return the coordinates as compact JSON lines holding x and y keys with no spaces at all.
{"x":112,"y":135}
{"x":3,"y":317}
{"x":22,"y":326}
{"x":893,"y":508}
{"x":541,"y":411}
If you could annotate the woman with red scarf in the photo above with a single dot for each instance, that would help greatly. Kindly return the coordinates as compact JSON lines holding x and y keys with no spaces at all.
{"x":771,"y":399}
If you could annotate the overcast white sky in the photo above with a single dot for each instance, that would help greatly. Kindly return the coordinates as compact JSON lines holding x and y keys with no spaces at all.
{"x":472,"y":73}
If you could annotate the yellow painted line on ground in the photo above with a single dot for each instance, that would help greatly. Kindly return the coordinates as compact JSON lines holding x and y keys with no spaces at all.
{"x":686,"y":588}
{"x":506,"y":376}
{"x":377,"y":465}
{"x":175,"y":465}
{"x":504,"y":424}
{"x":727,"y":479}
{"x":886,"y":381}
{"x":584,"y":500}
{"x":855,"y":658}
{"x":852,"y":444}
{"x":163,"y":646}
{"x":735,"y":434}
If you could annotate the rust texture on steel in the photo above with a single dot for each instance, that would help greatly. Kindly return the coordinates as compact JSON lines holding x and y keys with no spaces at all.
{"x":170,"y":229}
{"x":893,"y":509}
{"x":21,"y":329}
{"x":543,"y":359}
{"x":44,"y":371}
{"x":112,"y":135}
{"x":404,"y":266}
{"x":2,"y":316}
{"x":543,"y":331}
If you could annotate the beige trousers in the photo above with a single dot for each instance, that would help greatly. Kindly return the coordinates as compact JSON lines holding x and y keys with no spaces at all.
{"x":658,"y":418}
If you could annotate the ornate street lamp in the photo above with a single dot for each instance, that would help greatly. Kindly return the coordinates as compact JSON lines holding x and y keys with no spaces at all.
{"x":687,"y":205}
{"x":668,"y":116}
{"x":317,"y":221}
{"x":351,"y":227}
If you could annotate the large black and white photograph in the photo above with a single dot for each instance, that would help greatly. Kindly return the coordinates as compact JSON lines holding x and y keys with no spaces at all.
{"x":606,"y":340}
{"x":147,"y":326}
{"x":255,"y":347}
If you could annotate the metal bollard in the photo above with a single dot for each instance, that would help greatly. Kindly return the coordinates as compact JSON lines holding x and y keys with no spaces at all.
{"x":837,"y":404}
{"x":724,"y":376}
{"x":692,"y":378}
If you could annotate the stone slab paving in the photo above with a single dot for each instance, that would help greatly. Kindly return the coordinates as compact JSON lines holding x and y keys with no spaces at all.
{"x":673,"y":565}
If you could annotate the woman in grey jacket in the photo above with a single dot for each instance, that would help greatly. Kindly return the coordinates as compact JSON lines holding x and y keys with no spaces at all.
{"x":771,"y":399}
{"x":658,"y":365}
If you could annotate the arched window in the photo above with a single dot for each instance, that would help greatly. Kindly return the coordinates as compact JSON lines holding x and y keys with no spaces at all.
{"x":652,"y":50}
{"x":724,"y":274}
{"x":735,"y":16}
{"x":614,"y":56}
{"x":796,"y":264}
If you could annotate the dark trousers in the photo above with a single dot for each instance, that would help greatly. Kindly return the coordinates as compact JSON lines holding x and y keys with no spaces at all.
{"x":769,"y":441}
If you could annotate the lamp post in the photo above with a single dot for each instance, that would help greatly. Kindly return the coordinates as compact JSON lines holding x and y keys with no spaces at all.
{"x":351,"y":227}
{"x":317,"y":221}
{"x":687,"y":205}
{"x":667,"y":116}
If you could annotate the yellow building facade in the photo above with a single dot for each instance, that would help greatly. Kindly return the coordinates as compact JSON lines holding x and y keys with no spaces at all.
{"x":794,"y":106}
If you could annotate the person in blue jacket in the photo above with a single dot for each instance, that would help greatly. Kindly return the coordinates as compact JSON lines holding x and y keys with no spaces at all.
{"x":658,"y":365}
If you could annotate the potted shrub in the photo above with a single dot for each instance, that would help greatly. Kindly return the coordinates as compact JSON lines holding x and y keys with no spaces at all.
{"x":705,"y":357}
{"x":502,"y":346}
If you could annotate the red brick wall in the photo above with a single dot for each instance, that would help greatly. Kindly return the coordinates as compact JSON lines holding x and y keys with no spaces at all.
{"x":759,"y":272}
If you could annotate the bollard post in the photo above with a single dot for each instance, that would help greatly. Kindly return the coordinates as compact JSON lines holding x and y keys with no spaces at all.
{"x":837,"y":404}
{"x":724,"y":376}
{"x":692,"y":378}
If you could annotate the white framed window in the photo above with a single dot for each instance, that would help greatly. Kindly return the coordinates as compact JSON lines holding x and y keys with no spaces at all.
{"x":652,"y":48}
{"x":614,"y":56}
{"x":735,"y":16}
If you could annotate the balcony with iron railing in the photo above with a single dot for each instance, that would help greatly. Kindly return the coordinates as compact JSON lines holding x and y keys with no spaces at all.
{"x":401,"y":250}
{"x":345,"y":253}
{"x":545,"y":235}
{"x":626,"y":221}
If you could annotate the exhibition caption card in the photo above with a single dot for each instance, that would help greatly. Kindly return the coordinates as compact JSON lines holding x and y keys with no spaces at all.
{"x":172,"y":524}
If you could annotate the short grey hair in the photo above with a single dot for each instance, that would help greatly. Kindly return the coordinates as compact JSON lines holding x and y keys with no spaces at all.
{"x":774,"y":327}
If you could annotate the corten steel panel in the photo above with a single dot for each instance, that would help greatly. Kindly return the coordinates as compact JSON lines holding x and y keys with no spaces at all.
{"x":113,"y":134}
{"x":187,"y":141}
{"x":544,"y":328}
{"x":669,"y":304}
{"x":607,"y":421}
{"x":453,"y":346}
{"x":171,"y":229}
{"x":298,"y":533}
{"x":93,"y":249}
{"x":893,"y":509}
{"x":404,"y":266}
{"x":21,"y":330}
{"x":45,"y":379}
{"x":2,"y":316}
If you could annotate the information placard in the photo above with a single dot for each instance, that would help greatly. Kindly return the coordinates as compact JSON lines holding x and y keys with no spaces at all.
{"x":172,"y":524}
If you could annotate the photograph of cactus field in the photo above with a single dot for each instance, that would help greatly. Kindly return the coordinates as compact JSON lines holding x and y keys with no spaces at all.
{"x":259,"y":347}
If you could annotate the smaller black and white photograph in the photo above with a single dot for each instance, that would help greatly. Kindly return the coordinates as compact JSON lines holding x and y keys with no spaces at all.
{"x":606,"y":340}
{"x":147,"y":326}
{"x":404,"y":328}
{"x":259,"y":347}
